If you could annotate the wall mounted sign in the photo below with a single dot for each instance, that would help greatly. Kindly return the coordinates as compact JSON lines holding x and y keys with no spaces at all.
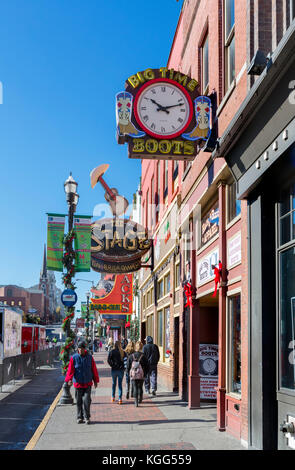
{"x":161,"y":115}
{"x":234,"y":253}
{"x":117,"y":245}
{"x":210,"y":224}
{"x":114,"y":294}
{"x":205,"y":273}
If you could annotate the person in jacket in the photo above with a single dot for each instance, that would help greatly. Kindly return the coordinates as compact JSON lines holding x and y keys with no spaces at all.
{"x":116,"y":361}
{"x":137,"y":367}
{"x":152,"y":353}
{"x":129,"y":350}
{"x":82,"y":371}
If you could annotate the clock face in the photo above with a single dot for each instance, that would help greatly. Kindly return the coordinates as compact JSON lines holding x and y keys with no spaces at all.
{"x":163,"y":108}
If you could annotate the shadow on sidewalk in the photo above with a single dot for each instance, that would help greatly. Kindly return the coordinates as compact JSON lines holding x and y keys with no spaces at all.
{"x":157,"y":421}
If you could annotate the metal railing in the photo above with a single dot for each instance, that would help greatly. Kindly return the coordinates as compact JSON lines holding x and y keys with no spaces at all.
{"x":16,"y":367}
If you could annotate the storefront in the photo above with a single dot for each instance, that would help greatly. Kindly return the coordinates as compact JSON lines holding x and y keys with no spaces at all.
{"x":259,"y":147}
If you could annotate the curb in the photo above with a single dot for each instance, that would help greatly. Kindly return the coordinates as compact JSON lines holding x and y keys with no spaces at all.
{"x":33,"y":441}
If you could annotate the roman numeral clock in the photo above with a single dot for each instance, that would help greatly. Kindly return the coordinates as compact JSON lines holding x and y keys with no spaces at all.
{"x":162,"y":116}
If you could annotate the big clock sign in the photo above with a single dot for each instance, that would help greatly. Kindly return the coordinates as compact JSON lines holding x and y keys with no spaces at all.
{"x":161,"y":115}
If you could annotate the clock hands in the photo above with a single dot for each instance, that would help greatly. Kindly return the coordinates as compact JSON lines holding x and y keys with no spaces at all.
{"x":160,"y":107}
{"x":165,"y":108}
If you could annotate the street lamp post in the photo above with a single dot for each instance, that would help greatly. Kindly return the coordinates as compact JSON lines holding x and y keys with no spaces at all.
{"x":72,"y":197}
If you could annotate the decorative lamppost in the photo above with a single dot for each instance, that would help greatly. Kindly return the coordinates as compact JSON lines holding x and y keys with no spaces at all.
{"x":72,"y":197}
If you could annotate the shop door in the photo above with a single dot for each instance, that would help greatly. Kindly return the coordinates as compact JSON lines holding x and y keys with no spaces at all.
{"x":286,"y":319}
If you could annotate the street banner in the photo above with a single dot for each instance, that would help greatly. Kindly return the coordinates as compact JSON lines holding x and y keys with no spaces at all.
{"x":82,"y":226}
{"x":114,"y":294}
{"x":55,"y":236}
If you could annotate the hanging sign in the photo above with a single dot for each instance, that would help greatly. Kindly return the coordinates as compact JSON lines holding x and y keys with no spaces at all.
{"x":55,"y":236}
{"x":82,"y":225}
{"x":114,"y":294}
{"x":117,"y":245}
{"x":161,"y":115}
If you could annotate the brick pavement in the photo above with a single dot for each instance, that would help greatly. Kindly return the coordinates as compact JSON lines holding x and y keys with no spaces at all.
{"x":163,"y":422}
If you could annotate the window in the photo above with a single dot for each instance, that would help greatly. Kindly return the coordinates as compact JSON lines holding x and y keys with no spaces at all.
{"x":210,"y":224}
{"x":205,"y":65}
{"x":143,"y":302}
{"x":234,"y":359}
{"x":160,"y":292}
{"x":229,"y":42}
{"x":174,"y":175}
{"x":160,"y":328}
{"x":292,"y":9}
{"x":150,"y":325}
{"x":177,"y":276}
{"x":20,"y":303}
{"x":287,"y":215}
{"x":167,"y":284}
{"x":166,"y":355}
{"x":153,"y":216}
{"x":166,"y":179}
{"x":233,"y":204}
{"x":12,"y":302}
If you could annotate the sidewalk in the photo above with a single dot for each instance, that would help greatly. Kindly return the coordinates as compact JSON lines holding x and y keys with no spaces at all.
{"x":162,"y":422}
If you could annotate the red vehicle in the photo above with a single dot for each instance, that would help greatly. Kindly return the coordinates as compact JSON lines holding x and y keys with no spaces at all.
{"x":33,"y":338}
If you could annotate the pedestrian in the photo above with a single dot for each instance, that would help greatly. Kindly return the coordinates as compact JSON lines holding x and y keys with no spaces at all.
{"x":110,"y":344}
{"x":100,"y":345}
{"x":137,"y":367}
{"x":152,"y":353}
{"x":83,"y":372}
{"x":129,"y":350}
{"x":116,"y":361}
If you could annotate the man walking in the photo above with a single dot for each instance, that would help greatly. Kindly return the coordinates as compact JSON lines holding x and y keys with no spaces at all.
{"x":152,"y":353}
{"x":83,"y":372}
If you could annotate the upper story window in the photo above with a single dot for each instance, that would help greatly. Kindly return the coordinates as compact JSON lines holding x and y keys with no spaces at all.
{"x":233,"y":204}
{"x":287,"y":216}
{"x":205,"y":65}
{"x":229,"y":42}
{"x":292,"y":13}
{"x":166,"y":179}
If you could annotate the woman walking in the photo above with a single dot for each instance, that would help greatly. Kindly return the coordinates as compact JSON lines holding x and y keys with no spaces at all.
{"x":116,"y":361}
{"x":129,"y":350}
{"x":137,"y":367}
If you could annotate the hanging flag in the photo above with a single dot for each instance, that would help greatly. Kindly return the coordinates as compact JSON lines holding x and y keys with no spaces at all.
{"x":82,"y":226}
{"x":55,"y":235}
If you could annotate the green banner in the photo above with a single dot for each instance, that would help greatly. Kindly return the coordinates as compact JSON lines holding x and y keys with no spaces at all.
{"x":82,"y":226}
{"x":55,"y":235}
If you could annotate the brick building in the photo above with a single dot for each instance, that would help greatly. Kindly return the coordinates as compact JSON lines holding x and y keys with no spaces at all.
{"x":198,"y":215}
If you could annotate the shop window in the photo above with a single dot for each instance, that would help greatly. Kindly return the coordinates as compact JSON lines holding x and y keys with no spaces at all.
{"x":233,"y":204}
{"x":205,"y":65}
{"x":210,"y":224}
{"x":287,"y":216}
{"x":160,"y":328}
{"x":20,"y":303}
{"x":166,"y":355}
{"x":160,"y":292}
{"x":229,"y":42}
{"x":12,"y":303}
{"x":150,"y":325}
{"x":234,"y":347}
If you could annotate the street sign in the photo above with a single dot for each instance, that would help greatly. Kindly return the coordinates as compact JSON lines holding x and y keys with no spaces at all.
{"x":69,"y":298}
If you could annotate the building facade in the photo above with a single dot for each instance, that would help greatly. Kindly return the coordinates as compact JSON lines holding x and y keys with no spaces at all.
{"x":217,"y":210}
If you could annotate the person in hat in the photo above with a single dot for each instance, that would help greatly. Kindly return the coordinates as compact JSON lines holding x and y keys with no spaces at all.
{"x":82,"y":371}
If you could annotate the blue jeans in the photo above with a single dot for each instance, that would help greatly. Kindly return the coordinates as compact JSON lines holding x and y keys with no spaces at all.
{"x":117,"y":374}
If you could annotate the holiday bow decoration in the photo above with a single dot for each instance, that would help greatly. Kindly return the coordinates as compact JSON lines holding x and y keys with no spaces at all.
{"x":188,"y":290}
{"x":217,"y":276}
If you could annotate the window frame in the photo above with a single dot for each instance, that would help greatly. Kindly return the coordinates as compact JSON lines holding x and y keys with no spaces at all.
{"x":205,"y":86}
{"x":229,"y":37}
{"x":230,"y":347}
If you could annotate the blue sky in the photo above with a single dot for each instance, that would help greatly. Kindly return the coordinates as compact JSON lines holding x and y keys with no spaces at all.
{"x":61,"y":64}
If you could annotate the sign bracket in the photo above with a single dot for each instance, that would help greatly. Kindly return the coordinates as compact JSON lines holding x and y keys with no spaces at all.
{"x":150,"y":266}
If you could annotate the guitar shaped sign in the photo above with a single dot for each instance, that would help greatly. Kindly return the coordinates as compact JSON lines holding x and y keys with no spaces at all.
{"x":118,"y":203}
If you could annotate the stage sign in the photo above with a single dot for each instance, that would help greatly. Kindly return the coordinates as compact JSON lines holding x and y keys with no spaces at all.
{"x":117,"y":245}
{"x":161,"y":115}
{"x":114,"y":294}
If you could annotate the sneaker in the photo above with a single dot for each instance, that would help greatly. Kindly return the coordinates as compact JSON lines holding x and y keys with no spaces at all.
{"x":113,"y":399}
{"x":120,"y":402}
{"x":127,"y":395}
{"x":79,"y":421}
{"x":154,"y":392}
{"x":87,"y":421}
